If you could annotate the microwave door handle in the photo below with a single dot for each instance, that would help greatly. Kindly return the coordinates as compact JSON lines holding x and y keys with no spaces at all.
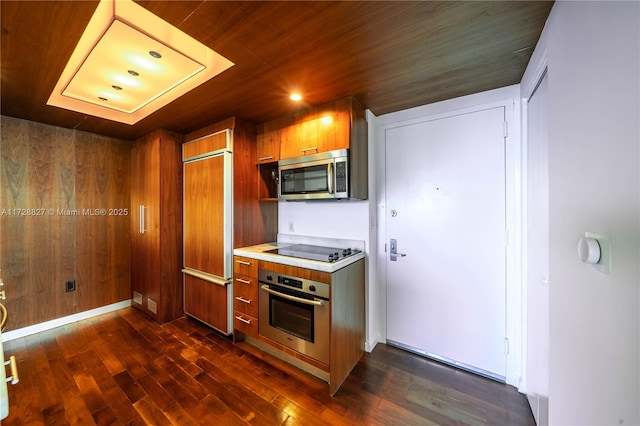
{"x":293,"y":298}
{"x":330,"y":179}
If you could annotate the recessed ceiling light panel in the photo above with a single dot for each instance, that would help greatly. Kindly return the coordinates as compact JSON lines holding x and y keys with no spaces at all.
{"x":129,"y":63}
{"x":110,"y":61}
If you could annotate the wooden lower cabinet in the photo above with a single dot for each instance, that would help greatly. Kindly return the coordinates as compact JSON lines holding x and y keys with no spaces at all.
{"x":246,"y":324}
{"x":347,"y":329}
{"x":245,"y":299}
{"x":206,"y":301}
{"x":245,"y":295}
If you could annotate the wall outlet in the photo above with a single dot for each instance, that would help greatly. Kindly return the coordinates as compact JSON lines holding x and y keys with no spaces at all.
{"x":70,"y":286}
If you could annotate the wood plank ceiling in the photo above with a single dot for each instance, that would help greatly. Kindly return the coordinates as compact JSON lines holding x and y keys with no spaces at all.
{"x":390,"y":55}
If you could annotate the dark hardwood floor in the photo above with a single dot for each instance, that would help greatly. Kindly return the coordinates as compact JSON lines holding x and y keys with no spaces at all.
{"x":124,"y":369}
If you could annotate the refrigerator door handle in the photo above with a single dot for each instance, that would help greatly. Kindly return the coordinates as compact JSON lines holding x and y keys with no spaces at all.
{"x":142,"y":209}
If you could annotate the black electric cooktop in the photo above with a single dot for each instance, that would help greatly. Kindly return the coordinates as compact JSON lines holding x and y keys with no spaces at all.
{"x":323,"y":254}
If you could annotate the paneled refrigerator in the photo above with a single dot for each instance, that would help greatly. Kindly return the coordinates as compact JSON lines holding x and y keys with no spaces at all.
{"x":208,"y":229}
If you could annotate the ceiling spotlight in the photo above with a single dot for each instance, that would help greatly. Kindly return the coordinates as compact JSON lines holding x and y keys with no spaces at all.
{"x":102,"y":98}
{"x":295,"y":97}
{"x":116,"y":87}
{"x":155,"y":54}
{"x":133,"y":73}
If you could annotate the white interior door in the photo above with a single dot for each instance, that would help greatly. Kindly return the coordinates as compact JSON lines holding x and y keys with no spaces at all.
{"x":445,"y":201}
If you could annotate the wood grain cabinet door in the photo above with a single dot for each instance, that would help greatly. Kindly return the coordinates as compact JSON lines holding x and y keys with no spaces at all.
{"x":205,"y":231}
{"x":145,"y":241}
{"x":156,"y":225}
{"x":319,"y":132}
{"x":268,"y":147}
{"x":207,"y":302}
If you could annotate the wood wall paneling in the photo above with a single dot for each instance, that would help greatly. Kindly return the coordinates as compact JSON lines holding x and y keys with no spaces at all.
{"x":57,"y":175}
{"x":102,"y":192}
{"x":250,"y":225}
{"x":171,"y":226}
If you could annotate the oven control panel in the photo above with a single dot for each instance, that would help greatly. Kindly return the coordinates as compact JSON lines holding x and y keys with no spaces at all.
{"x":309,"y":287}
{"x":291,"y":282}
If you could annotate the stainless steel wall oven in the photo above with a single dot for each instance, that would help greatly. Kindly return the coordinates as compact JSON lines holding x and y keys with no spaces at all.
{"x":295,"y":312}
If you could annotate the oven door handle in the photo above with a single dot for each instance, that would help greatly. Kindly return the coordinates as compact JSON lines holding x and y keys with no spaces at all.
{"x":294,"y":298}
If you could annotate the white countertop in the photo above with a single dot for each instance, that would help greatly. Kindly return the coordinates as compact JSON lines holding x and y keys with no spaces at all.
{"x":259,"y":252}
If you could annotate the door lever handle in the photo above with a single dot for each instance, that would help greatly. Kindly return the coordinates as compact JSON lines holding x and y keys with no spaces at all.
{"x":394,"y":256}
{"x":393,"y":252}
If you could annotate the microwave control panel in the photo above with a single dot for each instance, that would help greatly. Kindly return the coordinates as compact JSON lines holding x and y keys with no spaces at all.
{"x":341,"y":177}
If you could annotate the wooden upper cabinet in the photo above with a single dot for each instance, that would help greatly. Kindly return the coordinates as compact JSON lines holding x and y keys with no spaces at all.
{"x":321,"y":129}
{"x":340,"y":124}
{"x":268,"y":147}
{"x":206,"y":145}
{"x":320,"y":132}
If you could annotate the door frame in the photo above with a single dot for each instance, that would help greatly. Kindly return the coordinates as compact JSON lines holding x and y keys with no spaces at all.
{"x":509,"y":98}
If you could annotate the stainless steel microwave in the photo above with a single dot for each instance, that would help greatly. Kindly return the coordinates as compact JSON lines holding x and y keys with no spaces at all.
{"x":318,"y":176}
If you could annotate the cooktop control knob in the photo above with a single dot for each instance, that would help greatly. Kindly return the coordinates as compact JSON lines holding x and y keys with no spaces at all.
{"x":270,"y":277}
{"x":312,"y":288}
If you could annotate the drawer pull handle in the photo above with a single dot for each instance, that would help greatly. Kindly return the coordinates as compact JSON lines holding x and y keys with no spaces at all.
{"x":242,"y":262}
{"x":14,"y":370}
{"x":246,"y":321}
{"x":247,"y":301}
{"x":265,"y":158}
{"x":304,"y":150}
{"x":243,"y":281}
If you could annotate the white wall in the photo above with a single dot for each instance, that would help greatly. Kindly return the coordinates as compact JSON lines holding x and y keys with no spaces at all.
{"x":592,"y":51}
{"x":536,"y":250}
{"x":346,"y":220}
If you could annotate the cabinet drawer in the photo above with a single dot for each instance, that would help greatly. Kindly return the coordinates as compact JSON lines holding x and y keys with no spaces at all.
{"x":245,"y":323}
{"x":245,"y":266}
{"x":207,"y":302}
{"x":245,"y":295}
